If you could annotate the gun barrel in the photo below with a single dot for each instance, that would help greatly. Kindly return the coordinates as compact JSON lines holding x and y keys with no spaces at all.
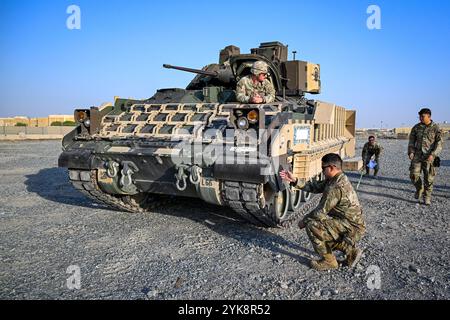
{"x":206,"y":73}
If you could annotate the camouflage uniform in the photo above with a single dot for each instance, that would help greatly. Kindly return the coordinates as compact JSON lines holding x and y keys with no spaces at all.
{"x":368,"y":152}
{"x":246,"y":88}
{"x":424,"y":140}
{"x":337,"y":223}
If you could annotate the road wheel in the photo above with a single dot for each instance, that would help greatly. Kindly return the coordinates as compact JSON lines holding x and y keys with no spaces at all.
{"x":296,"y":199}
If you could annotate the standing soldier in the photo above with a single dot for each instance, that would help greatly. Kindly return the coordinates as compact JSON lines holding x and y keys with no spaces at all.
{"x":256,"y":88}
{"x":337,"y":223}
{"x":371,"y":148}
{"x":425,"y":144}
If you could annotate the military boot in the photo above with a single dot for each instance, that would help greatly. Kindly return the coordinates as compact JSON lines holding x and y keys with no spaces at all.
{"x":418,"y":194}
{"x":328,"y":262}
{"x":353,"y":255}
{"x":427,"y":199}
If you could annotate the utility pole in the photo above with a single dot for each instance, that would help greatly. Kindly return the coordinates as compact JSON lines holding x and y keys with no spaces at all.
{"x":294,"y":52}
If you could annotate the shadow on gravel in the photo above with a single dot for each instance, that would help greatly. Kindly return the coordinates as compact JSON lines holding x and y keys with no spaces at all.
{"x":394,"y":180}
{"x":379,"y":178}
{"x":445,"y":163}
{"x":258,"y":237}
{"x":410,"y":191}
{"x":226,"y":222}
{"x":53,"y":184}
{"x":385,"y":195}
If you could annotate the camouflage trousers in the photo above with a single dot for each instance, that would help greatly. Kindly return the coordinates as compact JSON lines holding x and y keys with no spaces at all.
{"x":429,"y":172}
{"x":331,"y":234}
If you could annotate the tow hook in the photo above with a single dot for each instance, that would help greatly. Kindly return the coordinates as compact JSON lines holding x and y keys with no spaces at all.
{"x":113,"y":169}
{"x":181,"y":177}
{"x":126,"y":182}
{"x":194,"y":178}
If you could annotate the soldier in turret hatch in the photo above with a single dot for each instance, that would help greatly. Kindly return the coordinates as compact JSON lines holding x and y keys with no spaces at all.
{"x":256,"y":88}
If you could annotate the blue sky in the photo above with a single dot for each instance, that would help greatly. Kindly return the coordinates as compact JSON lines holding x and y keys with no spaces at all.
{"x":386,"y":75}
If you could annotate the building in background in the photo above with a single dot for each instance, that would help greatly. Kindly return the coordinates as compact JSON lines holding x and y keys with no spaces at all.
{"x":36,"y":122}
{"x":397,"y":133}
{"x":13,"y":121}
{"x":407,"y":130}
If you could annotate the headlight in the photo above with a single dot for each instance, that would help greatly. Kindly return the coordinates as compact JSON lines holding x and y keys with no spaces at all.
{"x":80,"y":116}
{"x":242,"y":123}
{"x":252,"y":116}
{"x":87,"y":123}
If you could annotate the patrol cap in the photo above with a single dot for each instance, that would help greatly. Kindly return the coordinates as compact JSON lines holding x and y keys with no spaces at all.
{"x":425,"y":111}
{"x":259,"y":67}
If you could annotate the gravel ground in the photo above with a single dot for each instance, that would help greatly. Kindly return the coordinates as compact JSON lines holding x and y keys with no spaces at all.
{"x":192,"y":250}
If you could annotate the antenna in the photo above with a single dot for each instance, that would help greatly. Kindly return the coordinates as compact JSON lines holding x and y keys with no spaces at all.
{"x":294,"y":52}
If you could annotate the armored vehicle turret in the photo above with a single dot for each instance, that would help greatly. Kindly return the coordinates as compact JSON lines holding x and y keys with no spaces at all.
{"x":201,"y":142}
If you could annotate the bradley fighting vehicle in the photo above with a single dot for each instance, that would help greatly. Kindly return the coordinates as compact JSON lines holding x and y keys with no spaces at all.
{"x":201,"y":142}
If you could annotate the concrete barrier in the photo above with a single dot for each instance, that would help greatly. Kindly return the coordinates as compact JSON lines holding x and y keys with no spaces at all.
{"x":33,"y":133}
{"x":353,"y":164}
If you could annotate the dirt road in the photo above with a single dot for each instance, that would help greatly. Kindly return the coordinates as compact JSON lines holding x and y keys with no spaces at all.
{"x":191,"y":250}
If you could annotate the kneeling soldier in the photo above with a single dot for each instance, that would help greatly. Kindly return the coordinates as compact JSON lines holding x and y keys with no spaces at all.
{"x":337,"y":222}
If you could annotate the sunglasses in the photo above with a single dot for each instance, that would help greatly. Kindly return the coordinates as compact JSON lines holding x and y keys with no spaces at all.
{"x":323,"y":168}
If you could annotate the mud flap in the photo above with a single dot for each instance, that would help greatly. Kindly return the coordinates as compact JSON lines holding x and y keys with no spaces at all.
{"x":77,"y":159}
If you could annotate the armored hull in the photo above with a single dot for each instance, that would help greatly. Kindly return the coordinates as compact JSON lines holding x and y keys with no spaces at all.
{"x":200,"y":142}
